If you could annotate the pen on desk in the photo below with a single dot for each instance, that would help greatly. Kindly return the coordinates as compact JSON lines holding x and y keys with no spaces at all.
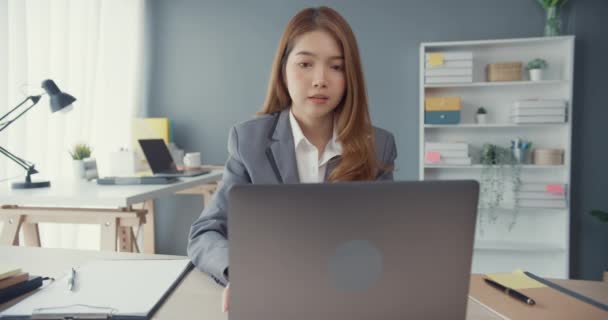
{"x":72,"y":280}
{"x":513,"y":293}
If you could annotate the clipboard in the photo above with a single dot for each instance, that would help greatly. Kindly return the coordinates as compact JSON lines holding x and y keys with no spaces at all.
{"x":105,"y":289}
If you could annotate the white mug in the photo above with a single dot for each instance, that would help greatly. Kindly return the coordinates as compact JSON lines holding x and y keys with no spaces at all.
{"x":192,"y":159}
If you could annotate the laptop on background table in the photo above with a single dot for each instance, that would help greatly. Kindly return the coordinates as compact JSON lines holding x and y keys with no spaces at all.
{"x":344,"y":251}
{"x":161,"y":162}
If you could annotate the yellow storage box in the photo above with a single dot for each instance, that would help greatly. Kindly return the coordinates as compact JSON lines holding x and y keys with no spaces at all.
{"x":442,"y":104}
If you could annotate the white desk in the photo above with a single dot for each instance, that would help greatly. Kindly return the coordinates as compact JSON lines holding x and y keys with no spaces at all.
{"x":197,"y":296}
{"x":112,"y":207}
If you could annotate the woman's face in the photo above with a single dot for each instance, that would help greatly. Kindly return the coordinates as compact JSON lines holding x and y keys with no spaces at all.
{"x":315,"y":76}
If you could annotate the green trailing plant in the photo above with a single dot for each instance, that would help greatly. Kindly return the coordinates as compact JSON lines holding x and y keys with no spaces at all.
{"x":499,"y":168}
{"x":553,"y":22}
{"x":537,"y":64}
{"x":481,"y":110}
{"x":600,"y":215}
{"x":546,"y":4}
{"x":80,"y":151}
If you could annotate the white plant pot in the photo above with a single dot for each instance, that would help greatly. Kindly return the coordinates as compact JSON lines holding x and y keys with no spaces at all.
{"x":480,"y":118}
{"x":536,"y":74}
{"x":78,"y":169}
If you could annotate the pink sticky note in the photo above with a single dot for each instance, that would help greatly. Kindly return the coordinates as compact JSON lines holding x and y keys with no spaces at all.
{"x":555,"y":188}
{"x":433,"y":156}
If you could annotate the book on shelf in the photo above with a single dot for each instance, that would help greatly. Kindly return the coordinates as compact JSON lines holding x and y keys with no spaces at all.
{"x":538,"y":119}
{"x":536,"y":195}
{"x":450,"y":64}
{"x":540,"y":103}
{"x":449,"y":72}
{"x":559,"y":111}
{"x":447,"y":146}
{"x":542,"y":203}
{"x":452,"y":161}
{"x":451,"y":153}
{"x":449,"y":79}
{"x":550,"y":187}
{"x":455,"y":55}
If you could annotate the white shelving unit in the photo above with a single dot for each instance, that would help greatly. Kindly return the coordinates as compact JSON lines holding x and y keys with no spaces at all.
{"x":539,"y":239}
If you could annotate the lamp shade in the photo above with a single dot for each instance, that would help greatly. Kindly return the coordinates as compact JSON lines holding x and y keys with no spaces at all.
{"x":58,"y":99}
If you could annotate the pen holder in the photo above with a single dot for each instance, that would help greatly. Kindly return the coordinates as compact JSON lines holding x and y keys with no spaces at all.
{"x":521,"y":156}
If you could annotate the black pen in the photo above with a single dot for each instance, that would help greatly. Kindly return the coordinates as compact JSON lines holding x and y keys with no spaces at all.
{"x":513,"y":293}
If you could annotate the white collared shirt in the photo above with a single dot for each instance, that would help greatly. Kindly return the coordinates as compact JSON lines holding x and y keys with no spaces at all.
{"x":311,"y":167}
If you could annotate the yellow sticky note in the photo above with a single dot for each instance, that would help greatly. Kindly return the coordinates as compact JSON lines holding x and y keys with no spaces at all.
{"x":436,"y":59}
{"x":515,"y":280}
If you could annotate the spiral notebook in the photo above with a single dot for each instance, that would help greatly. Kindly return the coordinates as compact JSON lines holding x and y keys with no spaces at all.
{"x":117,"y":289}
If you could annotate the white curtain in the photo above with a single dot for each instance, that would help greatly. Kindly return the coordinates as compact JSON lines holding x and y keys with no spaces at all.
{"x":92,"y":49}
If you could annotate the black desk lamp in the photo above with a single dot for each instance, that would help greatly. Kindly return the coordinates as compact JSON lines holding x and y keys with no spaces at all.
{"x":58,"y":100}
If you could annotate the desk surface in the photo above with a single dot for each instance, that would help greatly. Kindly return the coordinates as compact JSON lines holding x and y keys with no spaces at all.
{"x":83,"y":194}
{"x":198,"y":297}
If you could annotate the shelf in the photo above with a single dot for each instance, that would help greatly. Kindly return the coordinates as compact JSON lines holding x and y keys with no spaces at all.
{"x":495,"y":84}
{"x":486,"y":245}
{"x":494,"y":125}
{"x":495,"y":42}
{"x":524,"y":209}
{"x":497,"y":245}
{"x":479,"y":166}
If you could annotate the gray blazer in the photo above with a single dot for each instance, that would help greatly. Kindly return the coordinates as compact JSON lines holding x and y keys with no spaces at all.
{"x":260,"y":151}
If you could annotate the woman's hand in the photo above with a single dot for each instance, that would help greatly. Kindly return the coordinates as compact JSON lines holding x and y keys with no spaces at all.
{"x":226,"y":298}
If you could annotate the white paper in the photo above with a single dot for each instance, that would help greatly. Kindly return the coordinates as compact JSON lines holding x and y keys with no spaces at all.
{"x":124,"y":287}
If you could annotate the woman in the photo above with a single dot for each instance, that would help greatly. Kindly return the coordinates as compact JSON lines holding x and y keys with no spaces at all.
{"x":314,"y":127}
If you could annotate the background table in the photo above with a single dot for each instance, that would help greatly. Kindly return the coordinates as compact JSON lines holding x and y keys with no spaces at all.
{"x":118,"y":209}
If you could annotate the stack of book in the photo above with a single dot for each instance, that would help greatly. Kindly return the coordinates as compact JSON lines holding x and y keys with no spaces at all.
{"x":447,"y":153}
{"x":448,"y":67}
{"x":14,"y":282}
{"x":539,"y":111}
{"x":542,"y":195}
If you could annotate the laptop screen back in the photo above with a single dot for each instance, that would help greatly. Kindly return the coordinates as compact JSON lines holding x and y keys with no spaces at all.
{"x":345,"y":251}
{"x":158,"y":155}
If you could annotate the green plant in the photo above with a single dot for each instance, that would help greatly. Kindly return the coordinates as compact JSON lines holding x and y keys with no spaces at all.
{"x":600,"y":215}
{"x":537,"y":64}
{"x":546,"y":4}
{"x":481,"y":110}
{"x":80,"y":151}
{"x":499,"y":167}
{"x":553,"y":23}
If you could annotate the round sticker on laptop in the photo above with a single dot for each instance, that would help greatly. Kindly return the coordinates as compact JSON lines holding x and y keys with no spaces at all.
{"x":355,"y":266}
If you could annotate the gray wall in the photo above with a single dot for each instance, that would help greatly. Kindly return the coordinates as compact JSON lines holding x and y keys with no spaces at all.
{"x":210,"y":63}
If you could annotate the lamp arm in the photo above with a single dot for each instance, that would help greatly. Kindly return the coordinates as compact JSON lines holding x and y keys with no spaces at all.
{"x":34,"y":99}
{"x":15,"y":108}
{"x":22,"y":163}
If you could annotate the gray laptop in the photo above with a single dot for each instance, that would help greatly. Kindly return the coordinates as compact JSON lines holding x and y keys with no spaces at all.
{"x":161,"y":162}
{"x":395,"y":250}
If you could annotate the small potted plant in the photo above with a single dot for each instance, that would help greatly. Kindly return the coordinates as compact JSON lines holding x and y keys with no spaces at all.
{"x":79,"y":152}
{"x":481,"y":115}
{"x":535,"y":67}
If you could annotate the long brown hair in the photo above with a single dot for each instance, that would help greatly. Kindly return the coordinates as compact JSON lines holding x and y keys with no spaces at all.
{"x":351,"y":118}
